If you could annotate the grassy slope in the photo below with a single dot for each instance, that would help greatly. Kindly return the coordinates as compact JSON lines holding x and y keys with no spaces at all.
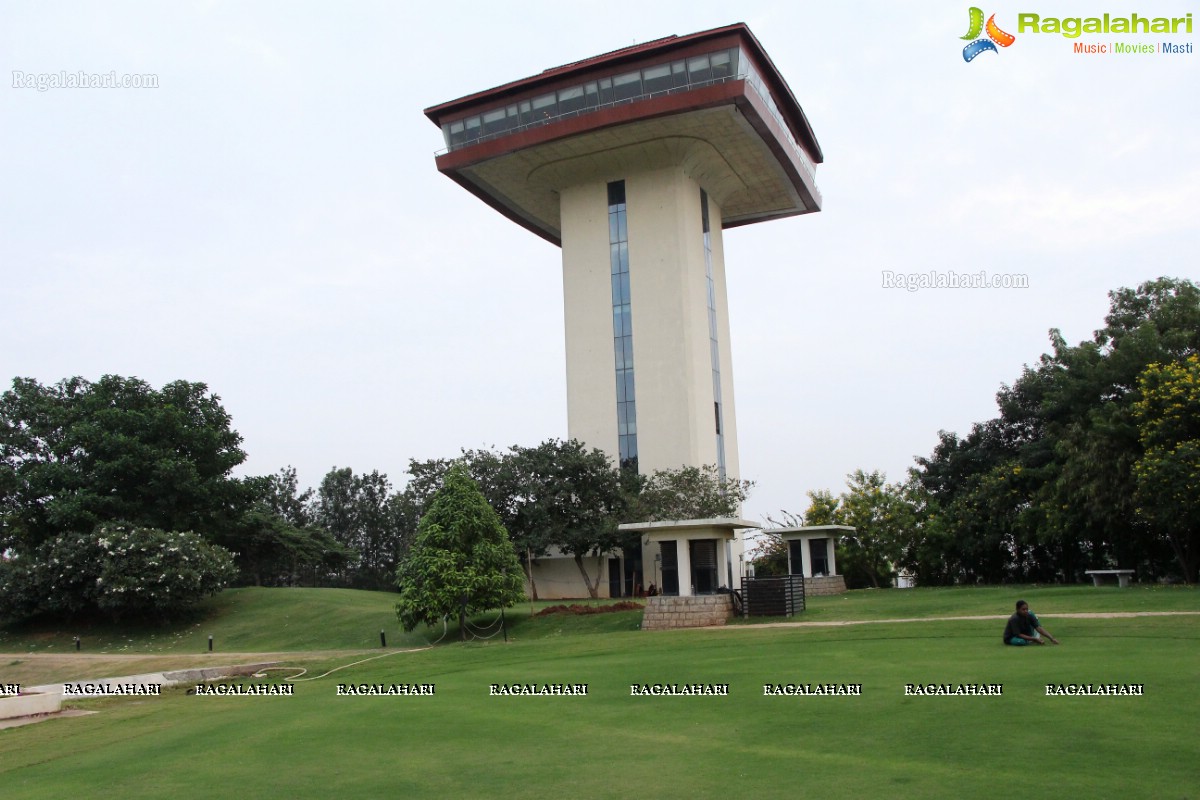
{"x":239,"y":620}
{"x":271,"y":620}
{"x":462,"y":743}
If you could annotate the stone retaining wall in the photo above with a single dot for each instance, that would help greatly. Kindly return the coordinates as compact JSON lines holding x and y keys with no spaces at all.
{"x":663,"y":613}
{"x":830,"y":584}
{"x":26,"y":705}
{"x":214,"y":673}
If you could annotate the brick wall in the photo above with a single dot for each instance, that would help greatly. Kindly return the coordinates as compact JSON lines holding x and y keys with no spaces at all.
{"x":686,"y":612}
{"x":831,"y":584}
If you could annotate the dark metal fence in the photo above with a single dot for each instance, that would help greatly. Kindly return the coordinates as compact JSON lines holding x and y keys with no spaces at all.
{"x":772,"y":597}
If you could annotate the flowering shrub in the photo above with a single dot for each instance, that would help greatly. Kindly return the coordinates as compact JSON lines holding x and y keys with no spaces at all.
{"x":18,"y":591}
{"x":119,"y":570}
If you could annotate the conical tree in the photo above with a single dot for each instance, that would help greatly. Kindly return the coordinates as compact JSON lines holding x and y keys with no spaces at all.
{"x":462,"y":561}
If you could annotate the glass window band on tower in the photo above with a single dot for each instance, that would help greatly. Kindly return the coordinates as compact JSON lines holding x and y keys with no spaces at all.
{"x":714,"y":349}
{"x":618,"y":239}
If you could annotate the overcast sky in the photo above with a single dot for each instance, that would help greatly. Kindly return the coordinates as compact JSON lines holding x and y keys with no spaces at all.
{"x":270,"y":221}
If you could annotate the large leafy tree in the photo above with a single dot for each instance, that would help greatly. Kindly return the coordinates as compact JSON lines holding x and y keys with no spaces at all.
{"x":1049,"y":489}
{"x":560,"y":495}
{"x":280,"y":494}
{"x":361,"y":513}
{"x":823,"y":509}
{"x":1168,"y":474}
{"x":492,"y":472}
{"x":885,"y":517}
{"x":272,"y":551}
{"x":685,"y":493}
{"x":77,"y":454}
{"x":881,"y":516}
{"x":568,"y":497}
{"x":555,"y":495}
{"x":462,"y":561}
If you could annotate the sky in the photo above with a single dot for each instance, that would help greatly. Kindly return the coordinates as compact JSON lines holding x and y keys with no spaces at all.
{"x":269,"y":220}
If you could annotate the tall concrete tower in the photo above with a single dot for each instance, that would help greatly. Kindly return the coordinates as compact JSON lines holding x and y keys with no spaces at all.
{"x":634,"y":162}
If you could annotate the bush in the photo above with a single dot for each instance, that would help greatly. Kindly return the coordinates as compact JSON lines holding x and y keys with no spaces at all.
{"x":119,"y":570}
{"x":18,"y":590}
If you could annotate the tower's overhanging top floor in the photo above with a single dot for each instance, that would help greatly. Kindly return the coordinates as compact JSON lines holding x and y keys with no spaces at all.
{"x":711,"y":102}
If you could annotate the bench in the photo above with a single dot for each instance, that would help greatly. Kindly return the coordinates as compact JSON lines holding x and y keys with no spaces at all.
{"x":1123,"y":575}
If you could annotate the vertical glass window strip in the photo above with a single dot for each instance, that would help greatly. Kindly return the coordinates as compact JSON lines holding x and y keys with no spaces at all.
{"x":618,"y":238}
{"x":714,"y":348}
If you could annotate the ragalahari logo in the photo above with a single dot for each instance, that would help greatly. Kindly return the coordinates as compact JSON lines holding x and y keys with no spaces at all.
{"x":995,"y":36}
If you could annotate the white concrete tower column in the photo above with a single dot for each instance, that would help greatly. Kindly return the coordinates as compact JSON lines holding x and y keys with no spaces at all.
{"x":676,"y":419}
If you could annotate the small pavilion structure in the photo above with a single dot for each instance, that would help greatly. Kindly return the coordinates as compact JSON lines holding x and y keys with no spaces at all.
{"x":690,"y":563}
{"x":811,"y":553}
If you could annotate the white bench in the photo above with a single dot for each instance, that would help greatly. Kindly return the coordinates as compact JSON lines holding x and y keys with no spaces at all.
{"x":1123,"y":575}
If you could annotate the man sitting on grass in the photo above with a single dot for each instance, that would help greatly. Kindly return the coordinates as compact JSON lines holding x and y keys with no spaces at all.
{"x":1023,"y":628}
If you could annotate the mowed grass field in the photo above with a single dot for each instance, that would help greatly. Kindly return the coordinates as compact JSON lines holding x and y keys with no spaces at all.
{"x":461,"y":742}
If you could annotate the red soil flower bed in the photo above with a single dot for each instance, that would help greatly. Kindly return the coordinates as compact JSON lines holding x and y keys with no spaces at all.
{"x":575,"y":608}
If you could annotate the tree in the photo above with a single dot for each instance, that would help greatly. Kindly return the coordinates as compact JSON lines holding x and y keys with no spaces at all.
{"x":494,"y":472}
{"x":568,"y":497}
{"x":490,"y":470}
{"x":686,"y":493}
{"x":554,"y":495}
{"x":359,"y":512}
{"x":1168,"y":474}
{"x":280,"y":494}
{"x":823,"y":508}
{"x":462,"y":560}
{"x":1049,"y":488}
{"x":274,"y":552}
{"x":1090,"y":422}
{"x":883,"y":516}
{"x":770,"y":557}
{"x":770,"y":554}
{"x":78,"y":454}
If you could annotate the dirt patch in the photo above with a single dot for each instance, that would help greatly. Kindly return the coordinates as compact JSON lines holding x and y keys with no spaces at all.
{"x":575,"y":608}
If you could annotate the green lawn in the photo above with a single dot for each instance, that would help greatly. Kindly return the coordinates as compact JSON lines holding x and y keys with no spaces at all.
{"x":1046,"y":600}
{"x":463,"y":743}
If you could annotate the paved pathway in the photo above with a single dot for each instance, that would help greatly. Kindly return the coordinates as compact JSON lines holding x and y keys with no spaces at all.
{"x":169,"y":677}
{"x":166,"y":678}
